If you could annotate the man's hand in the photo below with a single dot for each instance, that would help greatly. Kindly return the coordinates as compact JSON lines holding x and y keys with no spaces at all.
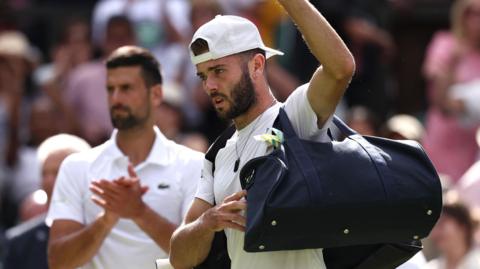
{"x":122,"y":196}
{"x":192,"y":241}
{"x":228,"y":214}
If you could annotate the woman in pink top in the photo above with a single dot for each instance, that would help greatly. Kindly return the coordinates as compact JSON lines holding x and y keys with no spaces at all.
{"x":452,"y":58}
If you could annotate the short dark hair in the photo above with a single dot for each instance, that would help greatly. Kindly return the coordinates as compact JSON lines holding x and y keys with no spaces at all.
{"x":248,"y":54}
{"x":200,"y":46}
{"x":136,"y":56}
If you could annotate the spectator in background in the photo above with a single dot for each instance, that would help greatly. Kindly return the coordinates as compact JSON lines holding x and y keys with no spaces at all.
{"x":469,"y":184}
{"x":26,"y":246}
{"x":32,"y":206}
{"x":404,"y":126}
{"x":155,"y":22}
{"x":452,"y":57}
{"x":24,"y":177}
{"x":129,"y":220}
{"x":72,"y":49}
{"x":16,"y":62}
{"x":453,"y":236}
{"x":85,"y":94}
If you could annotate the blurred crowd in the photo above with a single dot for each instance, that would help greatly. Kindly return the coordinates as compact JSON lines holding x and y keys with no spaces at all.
{"x":52,"y":81}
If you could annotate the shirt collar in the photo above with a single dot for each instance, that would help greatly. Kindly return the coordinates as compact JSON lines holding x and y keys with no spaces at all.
{"x":159,"y":153}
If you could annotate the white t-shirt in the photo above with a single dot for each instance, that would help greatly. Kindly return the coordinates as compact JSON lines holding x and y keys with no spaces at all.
{"x":170,"y":171}
{"x":227,"y":182}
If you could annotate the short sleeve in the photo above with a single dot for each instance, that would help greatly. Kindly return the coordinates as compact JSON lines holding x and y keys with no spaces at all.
{"x":191,"y":177}
{"x":438,"y":54}
{"x":303,"y":118}
{"x":67,"y":195}
{"x":205,"y":185}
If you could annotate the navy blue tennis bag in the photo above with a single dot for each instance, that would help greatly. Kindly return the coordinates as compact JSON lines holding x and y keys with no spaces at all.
{"x":359,"y":191}
{"x":365,"y":200}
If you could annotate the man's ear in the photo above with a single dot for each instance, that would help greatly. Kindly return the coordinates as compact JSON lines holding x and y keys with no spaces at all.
{"x":257,"y":66}
{"x":156,"y":93}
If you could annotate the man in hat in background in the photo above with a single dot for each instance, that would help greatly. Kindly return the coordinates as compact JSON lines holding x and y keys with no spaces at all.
{"x":27,"y":242}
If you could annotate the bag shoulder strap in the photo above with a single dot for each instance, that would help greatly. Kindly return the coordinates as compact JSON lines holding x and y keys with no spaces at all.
{"x":218,"y":256}
{"x":343,"y":127}
{"x":283,"y":124}
{"x":218,"y":144}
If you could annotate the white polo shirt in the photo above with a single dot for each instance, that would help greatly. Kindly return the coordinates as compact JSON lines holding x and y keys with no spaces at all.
{"x":171,"y":172}
{"x":227,"y":182}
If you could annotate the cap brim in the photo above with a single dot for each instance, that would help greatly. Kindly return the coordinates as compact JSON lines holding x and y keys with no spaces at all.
{"x":201,"y":58}
{"x":269,"y":52}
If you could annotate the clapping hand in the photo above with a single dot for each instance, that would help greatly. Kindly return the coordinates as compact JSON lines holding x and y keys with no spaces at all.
{"x":122,"y":196}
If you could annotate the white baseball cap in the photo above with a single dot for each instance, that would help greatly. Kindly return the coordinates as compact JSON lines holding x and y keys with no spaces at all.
{"x":227,"y":35}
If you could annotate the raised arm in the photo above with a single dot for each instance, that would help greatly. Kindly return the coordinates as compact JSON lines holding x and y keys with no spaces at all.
{"x":72,"y":244}
{"x":337,"y":64}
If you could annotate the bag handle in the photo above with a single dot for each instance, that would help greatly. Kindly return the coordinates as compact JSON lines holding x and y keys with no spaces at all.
{"x":282,"y":122}
{"x":372,"y":151}
{"x":304,"y":161}
{"x":343,"y":127}
{"x":307,"y":167}
{"x":288,"y":130}
{"x":218,"y":144}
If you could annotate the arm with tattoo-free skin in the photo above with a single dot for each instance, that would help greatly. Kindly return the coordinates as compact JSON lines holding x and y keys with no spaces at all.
{"x":337,"y":64}
{"x":191,"y":242}
{"x":73,"y":244}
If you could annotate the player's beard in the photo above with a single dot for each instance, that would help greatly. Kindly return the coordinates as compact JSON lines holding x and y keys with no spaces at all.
{"x":130,"y":120}
{"x":242,"y":97}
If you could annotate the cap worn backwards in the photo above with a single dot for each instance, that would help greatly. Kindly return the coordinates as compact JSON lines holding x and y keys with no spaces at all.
{"x":227,"y":35}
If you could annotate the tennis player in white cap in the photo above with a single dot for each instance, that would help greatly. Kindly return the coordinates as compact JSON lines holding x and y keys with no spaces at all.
{"x":230,"y":58}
